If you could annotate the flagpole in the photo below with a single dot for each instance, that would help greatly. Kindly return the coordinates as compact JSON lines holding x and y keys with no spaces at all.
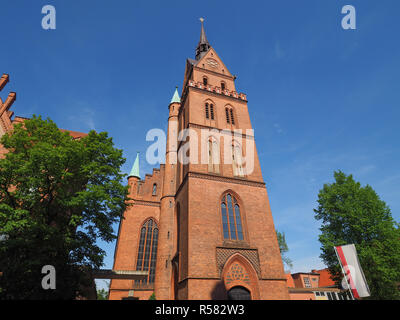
{"x":345,"y":276}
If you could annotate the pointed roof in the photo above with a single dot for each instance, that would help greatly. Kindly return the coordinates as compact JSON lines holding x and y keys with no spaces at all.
{"x":203,"y":45}
{"x":176,"y":97}
{"x":203,"y":38}
{"x":135,"y":168}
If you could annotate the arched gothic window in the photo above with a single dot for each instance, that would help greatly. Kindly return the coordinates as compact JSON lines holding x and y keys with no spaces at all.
{"x":209,"y":111}
{"x":232,"y":119}
{"x":147,"y":253}
{"x":154,"y":189}
{"x":229,"y":116}
{"x":231,"y":218}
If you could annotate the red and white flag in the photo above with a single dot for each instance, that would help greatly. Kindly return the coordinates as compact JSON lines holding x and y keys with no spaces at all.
{"x":352,"y":270}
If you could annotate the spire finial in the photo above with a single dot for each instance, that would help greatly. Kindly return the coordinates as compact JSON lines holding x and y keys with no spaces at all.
{"x":203,"y":45}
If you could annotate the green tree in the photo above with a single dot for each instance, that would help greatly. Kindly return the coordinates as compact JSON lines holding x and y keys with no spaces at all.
{"x":353,"y":214}
{"x":283,"y":248}
{"x":153,"y":296}
{"x":102,"y":294}
{"x":58,"y":196}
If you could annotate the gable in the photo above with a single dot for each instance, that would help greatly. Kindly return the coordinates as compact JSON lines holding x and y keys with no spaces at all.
{"x":211,"y":61}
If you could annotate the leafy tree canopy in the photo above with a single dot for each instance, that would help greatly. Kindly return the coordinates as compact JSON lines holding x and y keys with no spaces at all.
{"x":283,"y":248}
{"x":354,"y":214}
{"x":58,"y":196}
{"x":102,"y":294}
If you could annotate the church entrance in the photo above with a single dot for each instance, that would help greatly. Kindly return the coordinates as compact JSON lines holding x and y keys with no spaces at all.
{"x":239,"y":293}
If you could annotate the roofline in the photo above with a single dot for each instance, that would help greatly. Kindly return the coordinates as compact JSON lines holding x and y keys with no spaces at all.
{"x":308,"y":273}
{"x":310,"y":290}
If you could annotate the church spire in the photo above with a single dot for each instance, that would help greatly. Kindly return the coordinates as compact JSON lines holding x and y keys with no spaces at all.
{"x":203,"y":45}
{"x":176,"y":98}
{"x":135,"y":168}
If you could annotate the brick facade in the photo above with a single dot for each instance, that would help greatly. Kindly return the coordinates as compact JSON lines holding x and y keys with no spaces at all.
{"x":194,"y":258}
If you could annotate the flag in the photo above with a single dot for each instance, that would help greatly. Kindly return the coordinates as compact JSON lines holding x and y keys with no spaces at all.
{"x":352,"y":270}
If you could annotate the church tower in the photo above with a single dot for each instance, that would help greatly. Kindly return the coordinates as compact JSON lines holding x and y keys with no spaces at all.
{"x":215,"y":233}
{"x":225,"y":245}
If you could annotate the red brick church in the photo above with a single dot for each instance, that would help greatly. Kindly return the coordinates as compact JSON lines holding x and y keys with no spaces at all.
{"x":201,"y":230}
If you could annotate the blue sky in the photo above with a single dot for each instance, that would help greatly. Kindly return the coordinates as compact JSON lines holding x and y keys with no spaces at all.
{"x":320,"y":98}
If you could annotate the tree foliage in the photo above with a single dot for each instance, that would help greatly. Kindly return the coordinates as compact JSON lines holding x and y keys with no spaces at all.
{"x":153,"y":296}
{"x":283,"y":248}
{"x":58,"y":196}
{"x":102,"y":294}
{"x":353,"y":214}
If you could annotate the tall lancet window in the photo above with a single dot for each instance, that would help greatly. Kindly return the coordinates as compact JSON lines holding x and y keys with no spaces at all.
{"x":147,"y":253}
{"x":232,"y":118}
{"x":210,"y":111}
{"x":154,"y":189}
{"x":213,"y":156}
{"x":237,"y":161}
{"x":231,"y":218}
{"x":227,"y":115}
